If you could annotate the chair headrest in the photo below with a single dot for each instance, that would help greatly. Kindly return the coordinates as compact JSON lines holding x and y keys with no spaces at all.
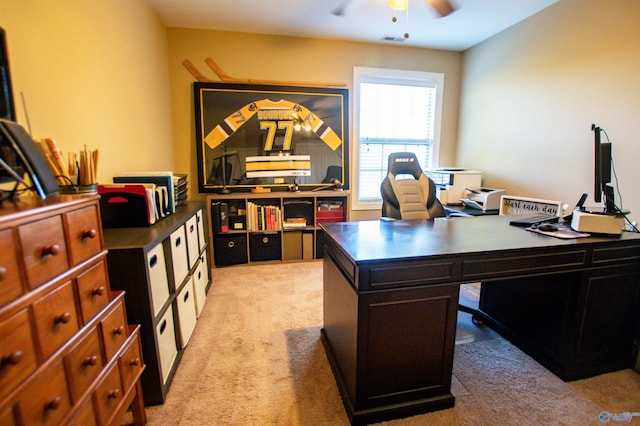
{"x":401,"y":163}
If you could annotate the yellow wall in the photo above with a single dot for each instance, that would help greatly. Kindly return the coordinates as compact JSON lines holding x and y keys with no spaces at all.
{"x":109,"y":75}
{"x":251,"y":56}
{"x":531,"y":93}
{"x":93,"y":72}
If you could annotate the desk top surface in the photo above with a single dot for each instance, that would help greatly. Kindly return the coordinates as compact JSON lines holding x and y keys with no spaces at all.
{"x":387,"y":240}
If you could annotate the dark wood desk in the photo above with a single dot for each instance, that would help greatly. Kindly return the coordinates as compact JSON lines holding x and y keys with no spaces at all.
{"x":391,"y":297}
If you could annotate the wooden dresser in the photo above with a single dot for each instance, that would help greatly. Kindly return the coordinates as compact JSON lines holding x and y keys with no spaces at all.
{"x":67,"y":353}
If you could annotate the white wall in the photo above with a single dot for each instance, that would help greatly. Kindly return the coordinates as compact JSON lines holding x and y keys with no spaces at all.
{"x":531,"y":93}
{"x":93,"y":72}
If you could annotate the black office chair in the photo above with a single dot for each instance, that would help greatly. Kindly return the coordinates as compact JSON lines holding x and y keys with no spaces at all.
{"x":406,"y":198}
{"x":412,"y":198}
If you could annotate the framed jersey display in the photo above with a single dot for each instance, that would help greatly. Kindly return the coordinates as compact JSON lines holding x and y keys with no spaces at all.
{"x":270,"y":136}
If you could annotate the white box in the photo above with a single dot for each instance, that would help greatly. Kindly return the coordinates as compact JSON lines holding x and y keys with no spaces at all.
{"x":200,"y":220}
{"x":179,"y":259}
{"x":596,"y":223}
{"x":185,"y":303}
{"x":192,"y":241}
{"x":166,"y":338}
{"x":200,"y":281}
{"x":158,"y":283}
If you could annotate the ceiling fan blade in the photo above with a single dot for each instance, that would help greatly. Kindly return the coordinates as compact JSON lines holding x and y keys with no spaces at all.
{"x":341,"y":9}
{"x":442,"y":7}
{"x":346,"y":7}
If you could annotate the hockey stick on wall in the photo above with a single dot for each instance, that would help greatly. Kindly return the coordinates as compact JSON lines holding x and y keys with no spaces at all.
{"x":194,"y":71}
{"x":228,"y":79}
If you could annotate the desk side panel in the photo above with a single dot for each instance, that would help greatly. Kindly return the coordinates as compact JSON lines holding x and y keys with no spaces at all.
{"x":577,"y":324}
{"x":340,"y":307}
{"x":407,"y":342}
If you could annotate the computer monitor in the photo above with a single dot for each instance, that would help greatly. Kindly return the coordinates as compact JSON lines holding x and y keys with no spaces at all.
{"x":602,"y":170}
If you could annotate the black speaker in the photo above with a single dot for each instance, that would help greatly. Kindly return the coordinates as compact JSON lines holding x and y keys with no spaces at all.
{"x":19,"y":143}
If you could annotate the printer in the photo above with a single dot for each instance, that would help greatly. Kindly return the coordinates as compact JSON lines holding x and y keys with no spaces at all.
{"x":451,"y":182}
{"x":483,"y":198}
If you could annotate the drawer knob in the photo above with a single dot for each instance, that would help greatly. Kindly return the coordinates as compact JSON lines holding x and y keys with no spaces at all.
{"x":135,"y":362}
{"x":90,"y":360}
{"x":91,"y":234}
{"x":51,"y":250}
{"x":118,"y":330}
{"x":53,"y":404}
{"x":113,"y":393}
{"x":98,"y":291}
{"x":63,"y":318}
{"x":11,"y":359}
{"x":3,"y":273}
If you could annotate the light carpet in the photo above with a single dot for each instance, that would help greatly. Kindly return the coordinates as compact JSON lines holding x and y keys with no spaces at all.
{"x":256,"y":358}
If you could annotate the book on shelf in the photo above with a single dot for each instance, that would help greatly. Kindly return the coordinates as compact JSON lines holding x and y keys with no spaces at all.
{"x":263,"y":218}
{"x":219,"y":217}
{"x":294,"y":223}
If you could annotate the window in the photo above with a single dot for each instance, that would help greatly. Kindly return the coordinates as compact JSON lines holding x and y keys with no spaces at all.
{"x":394,"y":111}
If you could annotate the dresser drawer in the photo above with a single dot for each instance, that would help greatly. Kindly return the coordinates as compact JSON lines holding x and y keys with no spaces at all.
{"x":56,"y":318}
{"x":114,"y":330}
{"x":84,"y":237}
{"x":83,"y":364}
{"x":44,"y":250}
{"x":131,"y":362}
{"x":46,"y":400}
{"x":158,"y":283}
{"x":17,"y":352}
{"x":108,"y":395}
{"x":179,"y":259}
{"x":10,"y":282}
{"x":85,"y":415}
{"x":93,"y":291}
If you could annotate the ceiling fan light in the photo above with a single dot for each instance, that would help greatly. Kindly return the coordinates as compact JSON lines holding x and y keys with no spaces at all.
{"x":398,"y":4}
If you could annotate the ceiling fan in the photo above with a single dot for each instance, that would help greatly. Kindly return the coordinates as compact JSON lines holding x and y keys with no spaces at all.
{"x":441,"y":7}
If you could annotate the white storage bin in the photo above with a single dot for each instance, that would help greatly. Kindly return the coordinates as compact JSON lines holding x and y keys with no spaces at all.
{"x":200,"y":220}
{"x":179,"y":259}
{"x":186,"y":313}
{"x":159,"y":285}
{"x":192,"y":241}
{"x":200,"y":280}
{"x":166,"y":338}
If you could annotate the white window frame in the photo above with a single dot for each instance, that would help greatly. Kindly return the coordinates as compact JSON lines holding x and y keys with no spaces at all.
{"x":384,"y":75}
